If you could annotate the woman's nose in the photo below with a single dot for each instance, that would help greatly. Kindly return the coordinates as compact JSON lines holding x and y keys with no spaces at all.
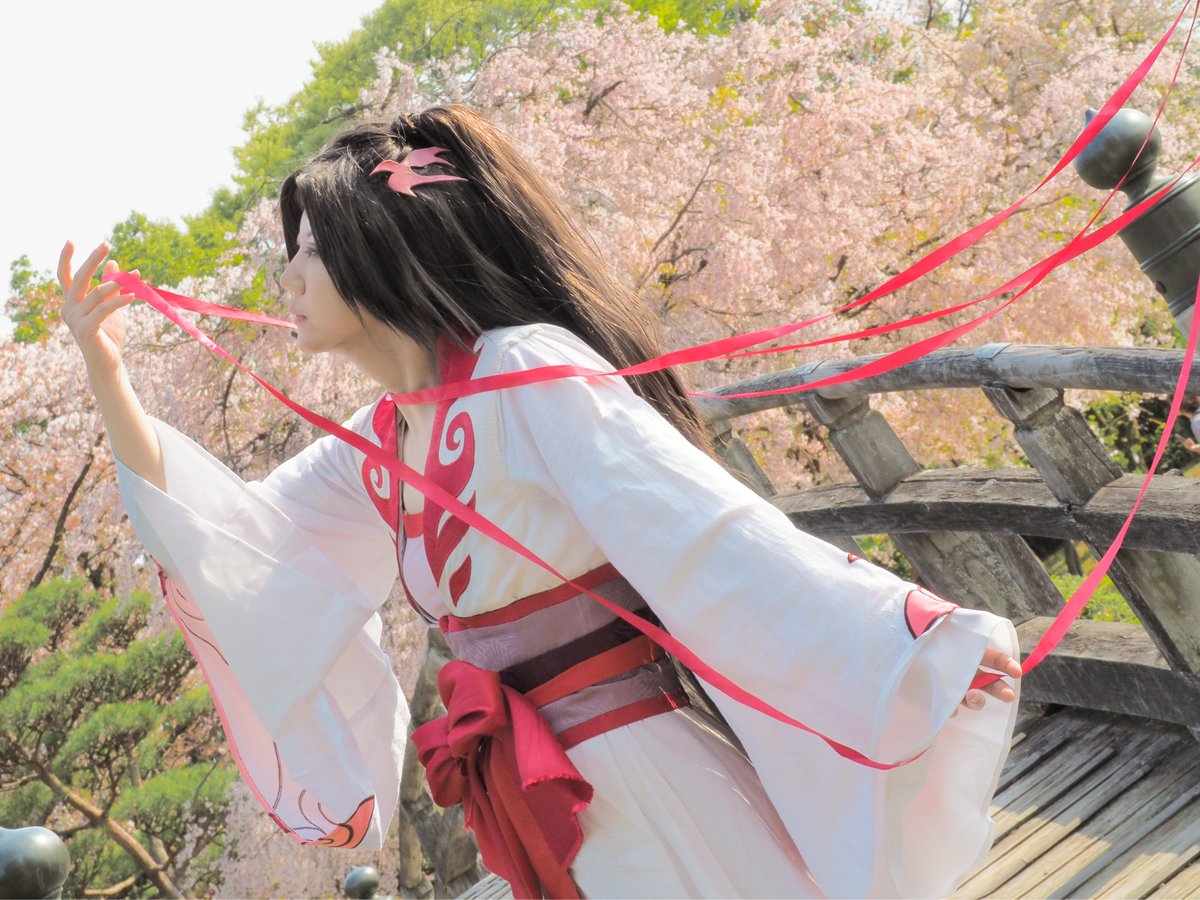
{"x":290,"y":280}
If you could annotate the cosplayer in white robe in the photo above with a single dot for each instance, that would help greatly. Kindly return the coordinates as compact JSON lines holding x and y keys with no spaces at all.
{"x":276,"y":586}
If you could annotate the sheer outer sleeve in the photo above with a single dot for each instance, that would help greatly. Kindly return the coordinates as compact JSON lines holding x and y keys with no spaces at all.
{"x":275,"y":585}
{"x":839,"y":644}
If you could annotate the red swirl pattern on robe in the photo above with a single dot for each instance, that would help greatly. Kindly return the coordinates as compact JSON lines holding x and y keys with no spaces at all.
{"x":269,"y":780}
{"x":444,"y":532}
{"x":349,"y":834}
{"x":381,"y":485}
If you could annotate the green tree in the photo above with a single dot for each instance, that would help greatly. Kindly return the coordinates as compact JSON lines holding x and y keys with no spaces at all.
{"x":1130,"y":426}
{"x":280,"y":138}
{"x":106,"y":739}
{"x":33,"y":303}
{"x":166,"y":254}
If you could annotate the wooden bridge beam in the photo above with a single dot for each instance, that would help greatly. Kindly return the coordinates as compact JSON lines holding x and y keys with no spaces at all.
{"x":1163,"y":589}
{"x":997,"y":572}
{"x":1015,"y":501}
{"x":1113,"y":667}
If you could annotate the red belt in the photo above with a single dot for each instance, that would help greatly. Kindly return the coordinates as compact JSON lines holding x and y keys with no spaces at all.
{"x":494,"y":753}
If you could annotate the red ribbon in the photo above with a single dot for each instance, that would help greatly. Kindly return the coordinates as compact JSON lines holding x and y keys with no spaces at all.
{"x":734,"y":346}
{"x":494,"y":753}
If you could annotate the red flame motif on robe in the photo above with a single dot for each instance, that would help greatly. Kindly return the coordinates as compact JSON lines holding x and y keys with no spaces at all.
{"x":349,"y":834}
{"x":444,"y":532}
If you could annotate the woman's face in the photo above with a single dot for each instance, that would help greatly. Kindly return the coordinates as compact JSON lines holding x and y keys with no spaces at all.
{"x":324,"y":321}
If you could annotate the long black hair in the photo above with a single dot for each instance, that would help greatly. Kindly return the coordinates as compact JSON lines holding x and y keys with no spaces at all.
{"x":461,"y":257}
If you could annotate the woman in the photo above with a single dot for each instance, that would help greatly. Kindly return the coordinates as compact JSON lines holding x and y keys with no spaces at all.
{"x":427,"y":253}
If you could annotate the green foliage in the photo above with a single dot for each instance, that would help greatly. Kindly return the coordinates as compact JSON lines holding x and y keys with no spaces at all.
{"x":155,"y":805}
{"x":19,"y":640}
{"x":164,"y":253}
{"x":115,"y":623}
{"x":698,"y":15}
{"x":97,"y":714}
{"x":881,"y":550}
{"x":31,"y":802}
{"x":1106,"y":605}
{"x":23,"y":277}
{"x":60,"y":606}
{"x":280,"y":138}
{"x":34,"y":301}
{"x":105,"y":740}
{"x":1130,"y":426}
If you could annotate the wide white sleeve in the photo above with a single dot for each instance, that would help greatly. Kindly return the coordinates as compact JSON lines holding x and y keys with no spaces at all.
{"x":275,"y":585}
{"x":822,"y":636}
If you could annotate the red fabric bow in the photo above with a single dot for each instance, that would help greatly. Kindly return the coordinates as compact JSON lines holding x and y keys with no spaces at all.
{"x":494,"y":753}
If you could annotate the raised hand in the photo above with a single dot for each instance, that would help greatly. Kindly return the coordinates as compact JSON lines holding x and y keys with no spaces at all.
{"x":97,"y":321}
{"x":993,"y":661}
{"x":94,"y":314}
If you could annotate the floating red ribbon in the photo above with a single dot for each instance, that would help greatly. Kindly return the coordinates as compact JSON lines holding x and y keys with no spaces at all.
{"x":729,"y":347}
{"x":447,"y":501}
{"x":736,"y":345}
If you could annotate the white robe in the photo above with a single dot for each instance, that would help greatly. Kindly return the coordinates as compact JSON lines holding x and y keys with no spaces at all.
{"x":286,"y":575}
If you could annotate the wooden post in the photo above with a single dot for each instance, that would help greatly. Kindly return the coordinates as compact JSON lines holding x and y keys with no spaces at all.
{"x":741,"y":462}
{"x":1163,"y":589}
{"x":997,"y":572}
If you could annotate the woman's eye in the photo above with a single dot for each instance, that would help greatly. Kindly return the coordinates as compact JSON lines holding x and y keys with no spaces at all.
{"x":311,"y":250}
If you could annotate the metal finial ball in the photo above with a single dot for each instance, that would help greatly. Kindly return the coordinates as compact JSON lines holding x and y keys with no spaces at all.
{"x":33,"y":862}
{"x":1104,"y":161}
{"x":361,"y":883}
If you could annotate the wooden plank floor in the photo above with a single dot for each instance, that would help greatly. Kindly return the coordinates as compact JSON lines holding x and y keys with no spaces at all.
{"x":1093,"y":805}
{"x":1089,"y":805}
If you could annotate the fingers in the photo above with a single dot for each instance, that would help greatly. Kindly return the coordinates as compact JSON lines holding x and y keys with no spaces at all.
{"x":82,"y":311}
{"x":1000,"y":662}
{"x":64,"y":265}
{"x":993,"y":662}
{"x":104,"y":309}
{"x":74,"y":286}
{"x":88,"y":270}
{"x":976,"y":698}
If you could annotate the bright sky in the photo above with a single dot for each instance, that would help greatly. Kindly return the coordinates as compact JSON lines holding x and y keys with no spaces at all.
{"x":107,"y":107}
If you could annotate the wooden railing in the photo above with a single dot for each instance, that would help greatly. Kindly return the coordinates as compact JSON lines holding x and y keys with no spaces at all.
{"x":962,"y":529}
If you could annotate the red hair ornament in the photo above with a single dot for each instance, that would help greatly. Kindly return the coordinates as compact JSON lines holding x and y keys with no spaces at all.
{"x":403,"y":179}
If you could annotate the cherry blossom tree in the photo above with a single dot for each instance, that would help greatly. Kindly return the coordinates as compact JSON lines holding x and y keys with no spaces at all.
{"x":784,"y":169}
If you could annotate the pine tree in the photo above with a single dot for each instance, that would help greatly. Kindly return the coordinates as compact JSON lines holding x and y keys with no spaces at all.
{"x":107,"y":739}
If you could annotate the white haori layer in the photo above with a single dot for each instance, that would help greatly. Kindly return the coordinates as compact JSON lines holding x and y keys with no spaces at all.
{"x":287,"y":639}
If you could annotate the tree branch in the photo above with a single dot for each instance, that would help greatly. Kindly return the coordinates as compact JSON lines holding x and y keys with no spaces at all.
{"x":120,"y":836}
{"x":61,"y":525}
{"x":596,"y":98}
{"x":675,"y":221}
{"x":117,"y":888}
{"x":225,"y":412}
